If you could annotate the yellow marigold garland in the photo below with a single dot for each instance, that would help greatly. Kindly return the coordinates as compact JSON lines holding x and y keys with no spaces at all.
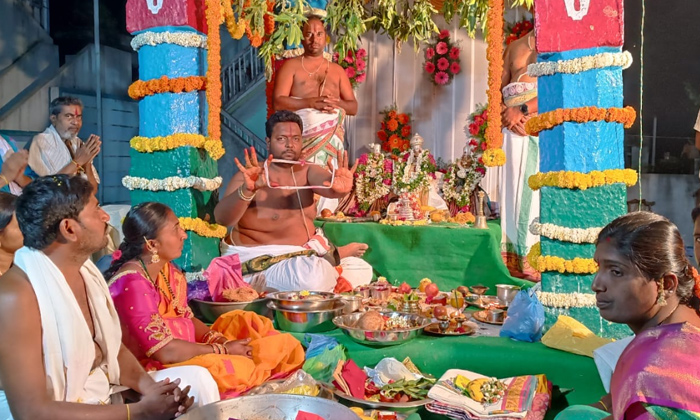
{"x":202,"y":228}
{"x":575,"y":266}
{"x":213,"y":14}
{"x":161,"y":144}
{"x":551,"y":119}
{"x":581,"y":181}
{"x":534,"y":254}
{"x":494,"y":157}
{"x":494,"y":55}
{"x":142,"y":88}
{"x":235,"y":28}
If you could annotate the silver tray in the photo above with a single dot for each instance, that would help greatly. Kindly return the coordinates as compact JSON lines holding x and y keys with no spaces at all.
{"x":381,"y":338}
{"x":406,"y":408}
{"x":321,"y":301}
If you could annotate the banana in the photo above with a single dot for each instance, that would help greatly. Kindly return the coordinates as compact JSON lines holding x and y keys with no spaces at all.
{"x":474,"y":389}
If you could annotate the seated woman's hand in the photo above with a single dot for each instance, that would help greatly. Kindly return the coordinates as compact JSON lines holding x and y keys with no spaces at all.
{"x":239,"y":347}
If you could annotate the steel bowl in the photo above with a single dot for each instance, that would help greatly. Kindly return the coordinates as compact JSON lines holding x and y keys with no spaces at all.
{"x":306,"y":321}
{"x":353,"y":303}
{"x":209,"y":311}
{"x":506,"y":292}
{"x":271,"y":407}
{"x":381,"y":338}
{"x":317,"y":301}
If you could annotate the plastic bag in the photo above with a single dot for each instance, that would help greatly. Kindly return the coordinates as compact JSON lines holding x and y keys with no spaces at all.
{"x":299,"y":383}
{"x":525,"y":320}
{"x":321,"y":367}
{"x":316,"y":343}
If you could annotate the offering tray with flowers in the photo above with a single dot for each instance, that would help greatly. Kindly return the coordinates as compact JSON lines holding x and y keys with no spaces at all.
{"x":390,"y":385}
{"x":340,"y":217}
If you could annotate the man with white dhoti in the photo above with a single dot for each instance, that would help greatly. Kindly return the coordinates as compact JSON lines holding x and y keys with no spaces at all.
{"x":519,"y":204}
{"x":271,"y":208}
{"x":61,"y":355}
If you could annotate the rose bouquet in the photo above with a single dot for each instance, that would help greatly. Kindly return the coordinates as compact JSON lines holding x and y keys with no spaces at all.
{"x":355,"y":65}
{"x":442,"y":59}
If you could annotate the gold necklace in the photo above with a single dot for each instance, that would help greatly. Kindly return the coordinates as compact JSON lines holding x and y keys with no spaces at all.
{"x":173,"y":299}
{"x":310,"y":73}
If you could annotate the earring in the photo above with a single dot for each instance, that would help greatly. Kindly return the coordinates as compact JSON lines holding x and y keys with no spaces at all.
{"x":661,"y":299}
{"x":155,"y":258}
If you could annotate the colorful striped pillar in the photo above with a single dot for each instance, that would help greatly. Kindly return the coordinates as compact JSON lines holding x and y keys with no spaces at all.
{"x":585,"y":142}
{"x":173,"y":161}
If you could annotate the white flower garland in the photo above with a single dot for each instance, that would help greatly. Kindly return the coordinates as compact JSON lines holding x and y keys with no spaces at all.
{"x":405,"y":180}
{"x":567,"y":300}
{"x":564,"y":234}
{"x":468,"y":175}
{"x":195,"y":276}
{"x":183,"y":39}
{"x":581,"y":64}
{"x":171,"y":183}
{"x":369,"y":185}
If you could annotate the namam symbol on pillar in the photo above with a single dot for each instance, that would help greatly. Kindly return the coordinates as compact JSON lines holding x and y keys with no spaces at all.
{"x":582,"y":10}
{"x":155,"y":5}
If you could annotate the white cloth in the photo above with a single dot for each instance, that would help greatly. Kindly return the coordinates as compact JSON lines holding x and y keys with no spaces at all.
{"x":606,"y":358}
{"x":697,"y":123}
{"x":68,"y":346}
{"x":48,"y":153}
{"x":301,"y":273}
{"x":6,"y":151}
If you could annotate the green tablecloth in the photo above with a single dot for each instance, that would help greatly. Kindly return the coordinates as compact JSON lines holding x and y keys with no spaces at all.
{"x":492,"y":356}
{"x":451,"y":256}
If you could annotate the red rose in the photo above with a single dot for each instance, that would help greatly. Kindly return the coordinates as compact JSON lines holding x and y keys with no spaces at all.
{"x":473,"y":129}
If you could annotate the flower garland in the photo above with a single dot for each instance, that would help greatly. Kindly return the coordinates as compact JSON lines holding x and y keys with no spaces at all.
{"x":494,"y":55}
{"x":567,"y":300}
{"x":494,"y":157}
{"x":581,"y":181}
{"x":161,"y":144}
{"x":141,"y":88}
{"x":171,"y":183}
{"x":564,"y":234}
{"x":373,"y":179}
{"x":202,"y":228}
{"x":236,"y":28}
{"x":442,"y":59}
{"x":575,"y":266}
{"x":581,"y":64}
{"x":354,"y":64}
{"x":534,"y":254}
{"x":519,"y":30}
{"x":462,"y":177}
{"x":181,"y":38}
{"x":411,"y":172}
{"x":551,"y":119}
{"x":395,"y":131}
{"x":213,"y":92}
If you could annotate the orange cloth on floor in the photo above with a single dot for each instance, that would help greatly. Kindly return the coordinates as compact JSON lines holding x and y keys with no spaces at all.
{"x":274,"y":355}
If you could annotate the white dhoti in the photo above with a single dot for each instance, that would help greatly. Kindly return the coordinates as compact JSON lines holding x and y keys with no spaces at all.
{"x":68,"y":348}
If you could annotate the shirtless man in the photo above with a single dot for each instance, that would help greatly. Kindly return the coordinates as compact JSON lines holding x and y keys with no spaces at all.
{"x":518,"y":203}
{"x":60,"y":340}
{"x":319,"y":91}
{"x":272,"y":221}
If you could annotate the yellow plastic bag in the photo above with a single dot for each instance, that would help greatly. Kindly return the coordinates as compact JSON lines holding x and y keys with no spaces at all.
{"x":569,"y":335}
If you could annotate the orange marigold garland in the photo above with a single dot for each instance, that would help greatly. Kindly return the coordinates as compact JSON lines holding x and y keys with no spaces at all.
{"x":235,"y":27}
{"x":142,"y":88}
{"x":494,"y":55}
{"x":213,"y":15}
{"x":551,"y":119}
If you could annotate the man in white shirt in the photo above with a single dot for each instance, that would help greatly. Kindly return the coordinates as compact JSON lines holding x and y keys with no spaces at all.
{"x":58,"y":150}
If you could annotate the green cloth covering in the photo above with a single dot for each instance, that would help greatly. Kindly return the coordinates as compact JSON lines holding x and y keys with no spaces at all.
{"x":449,"y":255}
{"x":582,"y":412}
{"x":491,"y":356}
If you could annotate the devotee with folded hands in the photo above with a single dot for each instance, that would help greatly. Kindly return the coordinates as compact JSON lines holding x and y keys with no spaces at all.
{"x":241,"y":350}
{"x":646,"y":281}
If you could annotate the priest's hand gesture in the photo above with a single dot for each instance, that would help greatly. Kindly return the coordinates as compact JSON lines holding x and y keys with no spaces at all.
{"x":253,"y":172}
{"x":344,"y":176}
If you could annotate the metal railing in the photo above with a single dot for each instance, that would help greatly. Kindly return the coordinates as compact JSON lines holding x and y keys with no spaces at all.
{"x":231,"y":126}
{"x":244,"y":72}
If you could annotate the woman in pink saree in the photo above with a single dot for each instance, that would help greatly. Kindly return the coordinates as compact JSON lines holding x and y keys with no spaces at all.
{"x":645,"y":280}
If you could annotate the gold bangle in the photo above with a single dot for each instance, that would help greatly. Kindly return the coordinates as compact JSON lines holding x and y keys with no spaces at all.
{"x":128,"y":412}
{"x":243,"y":196}
{"x":4,"y":178}
{"x":605,"y":407}
{"x":78,"y":168}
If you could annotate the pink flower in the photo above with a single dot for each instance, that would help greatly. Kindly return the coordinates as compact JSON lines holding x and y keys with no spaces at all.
{"x":361,"y":77}
{"x":445,"y":33}
{"x":429,"y":53}
{"x":363,"y":159}
{"x":441,"y":48}
{"x":454,"y":53}
{"x":336,"y":56}
{"x":429,"y":67}
{"x":473,"y":129}
{"x":481,"y":170}
{"x":443,"y":64}
{"x":360,"y":64}
{"x":388,"y":165}
{"x":455,"y":68}
{"x":350,"y":72}
{"x":441,"y":78}
{"x":116,"y":255}
{"x":348,"y":58}
{"x":361,"y":53}
{"x":386,"y":181}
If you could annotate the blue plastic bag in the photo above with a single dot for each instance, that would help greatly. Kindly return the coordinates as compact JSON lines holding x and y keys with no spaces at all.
{"x":525,"y":320}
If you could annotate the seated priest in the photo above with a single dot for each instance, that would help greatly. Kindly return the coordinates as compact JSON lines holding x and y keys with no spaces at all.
{"x":271,"y":207}
{"x":241,"y":350}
